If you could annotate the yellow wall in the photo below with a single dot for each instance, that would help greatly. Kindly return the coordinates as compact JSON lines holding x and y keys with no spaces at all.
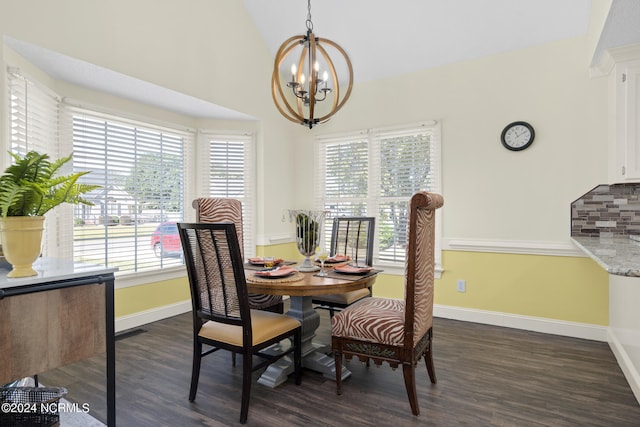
{"x":556,"y":287}
{"x":569,"y":289}
{"x":573,"y":289}
{"x":287,"y":251}
{"x":140,"y":298}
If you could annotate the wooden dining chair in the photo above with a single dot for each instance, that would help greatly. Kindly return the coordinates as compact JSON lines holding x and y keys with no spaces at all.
{"x":399,"y":332}
{"x":214,"y":209}
{"x":222,"y":317}
{"x":351,"y":236}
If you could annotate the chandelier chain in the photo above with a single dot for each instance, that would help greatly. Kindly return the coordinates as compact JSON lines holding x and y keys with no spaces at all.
{"x":309,"y":23}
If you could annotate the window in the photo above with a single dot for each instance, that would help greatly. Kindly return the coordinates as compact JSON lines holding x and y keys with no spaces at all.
{"x":230,"y":166}
{"x":149,"y":176}
{"x":140,"y":169}
{"x":375,"y":173}
{"x":34,"y":117}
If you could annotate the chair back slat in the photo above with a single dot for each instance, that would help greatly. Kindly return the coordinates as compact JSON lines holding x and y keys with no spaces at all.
{"x":419,"y":266}
{"x":216,"y":274}
{"x":353,"y":236}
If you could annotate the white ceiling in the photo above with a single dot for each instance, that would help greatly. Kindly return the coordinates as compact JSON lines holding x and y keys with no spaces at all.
{"x":386,"y":39}
{"x":382,"y":39}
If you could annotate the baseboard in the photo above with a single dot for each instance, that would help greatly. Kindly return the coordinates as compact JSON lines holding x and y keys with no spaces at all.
{"x":626,"y":365}
{"x":529,"y":323}
{"x":143,"y":317}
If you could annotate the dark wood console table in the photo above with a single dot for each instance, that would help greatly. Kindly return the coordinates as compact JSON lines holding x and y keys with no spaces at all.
{"x":62,"y":315}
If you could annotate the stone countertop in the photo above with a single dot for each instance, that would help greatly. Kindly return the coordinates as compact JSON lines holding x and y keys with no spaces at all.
{"x":51,"y":269}
{"x":618,"y":255}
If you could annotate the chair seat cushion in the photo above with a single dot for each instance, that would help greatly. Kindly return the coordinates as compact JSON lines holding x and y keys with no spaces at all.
{"x":371,"y":319}
{"x":265,"y":325}
{"x":345,"y":298}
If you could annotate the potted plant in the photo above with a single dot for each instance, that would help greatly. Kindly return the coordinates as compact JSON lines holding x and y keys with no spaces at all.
{"x":29,"y":188}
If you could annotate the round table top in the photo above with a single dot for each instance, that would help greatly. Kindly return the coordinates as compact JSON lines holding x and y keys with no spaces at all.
{"x":310,"y":285}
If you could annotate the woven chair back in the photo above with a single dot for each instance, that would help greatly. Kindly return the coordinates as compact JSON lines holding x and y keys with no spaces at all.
{"x":216,"y":275}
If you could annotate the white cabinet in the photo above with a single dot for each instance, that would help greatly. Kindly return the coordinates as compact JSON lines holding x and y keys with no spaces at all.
{"x":624,"y":327}
{"x":627,"y":116}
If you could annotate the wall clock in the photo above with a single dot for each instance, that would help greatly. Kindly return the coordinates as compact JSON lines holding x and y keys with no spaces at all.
{"x":517,"y":136}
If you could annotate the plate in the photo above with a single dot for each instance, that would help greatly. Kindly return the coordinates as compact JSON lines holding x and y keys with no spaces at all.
{"x":277,"y":273}
{"x":337,"y":259}
{"x":350,"y":269}
{"x":260,"y":261}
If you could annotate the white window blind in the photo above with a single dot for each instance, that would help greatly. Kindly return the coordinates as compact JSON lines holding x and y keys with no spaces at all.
{"x":140,"y":169}
{"x":34,"y":114}
{"x":231,"y":165}
{"x":375,"y":173}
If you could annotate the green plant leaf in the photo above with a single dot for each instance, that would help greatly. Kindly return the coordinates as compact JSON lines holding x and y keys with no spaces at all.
{"x":30,"y":186}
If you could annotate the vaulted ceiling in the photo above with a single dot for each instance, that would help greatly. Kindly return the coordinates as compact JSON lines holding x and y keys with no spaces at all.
{"x":383,"y":39}
{"x":386,"y":39}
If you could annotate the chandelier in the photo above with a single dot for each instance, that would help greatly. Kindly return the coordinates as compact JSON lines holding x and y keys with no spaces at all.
{"x":310,"y":93}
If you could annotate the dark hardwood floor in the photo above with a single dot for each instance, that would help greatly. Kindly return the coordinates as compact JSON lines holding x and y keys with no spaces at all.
{"x":487,"y":376}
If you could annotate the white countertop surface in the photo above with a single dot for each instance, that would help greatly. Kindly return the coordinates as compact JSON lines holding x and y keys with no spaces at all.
{"x":618,"y":255}
{"x":52,"y":269}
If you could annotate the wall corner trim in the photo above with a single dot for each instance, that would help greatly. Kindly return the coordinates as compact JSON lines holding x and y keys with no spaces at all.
{"x":626,"y":364}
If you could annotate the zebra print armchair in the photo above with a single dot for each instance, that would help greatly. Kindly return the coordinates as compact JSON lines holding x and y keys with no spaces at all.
{"x":399,"y":332}
{"x":212,"y":209}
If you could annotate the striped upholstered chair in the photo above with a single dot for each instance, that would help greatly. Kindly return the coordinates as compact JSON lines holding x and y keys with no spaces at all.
{"x":399,"y":332}
{"x":212,"y":209}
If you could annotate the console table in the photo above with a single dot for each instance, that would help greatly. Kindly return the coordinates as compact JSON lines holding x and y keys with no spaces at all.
{"x":62,"y":315}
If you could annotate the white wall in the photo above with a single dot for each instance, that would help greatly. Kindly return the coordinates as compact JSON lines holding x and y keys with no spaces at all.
{"x":491,"y":193}
{"x":209,"y":50}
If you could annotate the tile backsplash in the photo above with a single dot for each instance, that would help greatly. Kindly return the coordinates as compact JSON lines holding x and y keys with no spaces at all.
{"x":607,"y":210}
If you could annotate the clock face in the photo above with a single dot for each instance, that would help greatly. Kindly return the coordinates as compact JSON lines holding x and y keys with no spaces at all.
{"x":517,"y":136}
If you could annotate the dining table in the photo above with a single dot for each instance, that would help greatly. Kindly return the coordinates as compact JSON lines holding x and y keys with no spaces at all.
{"x":301,"y":287}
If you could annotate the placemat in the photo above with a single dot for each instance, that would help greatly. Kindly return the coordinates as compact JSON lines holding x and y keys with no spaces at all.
{"x":351,"y":277}
{"x":297,"y":276}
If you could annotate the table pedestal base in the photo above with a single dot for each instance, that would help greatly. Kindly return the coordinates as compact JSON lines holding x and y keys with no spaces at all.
{"x":313,"y":356}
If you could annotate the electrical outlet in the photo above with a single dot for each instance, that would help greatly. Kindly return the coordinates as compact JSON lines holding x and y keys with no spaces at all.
{"x":462,"y":286}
